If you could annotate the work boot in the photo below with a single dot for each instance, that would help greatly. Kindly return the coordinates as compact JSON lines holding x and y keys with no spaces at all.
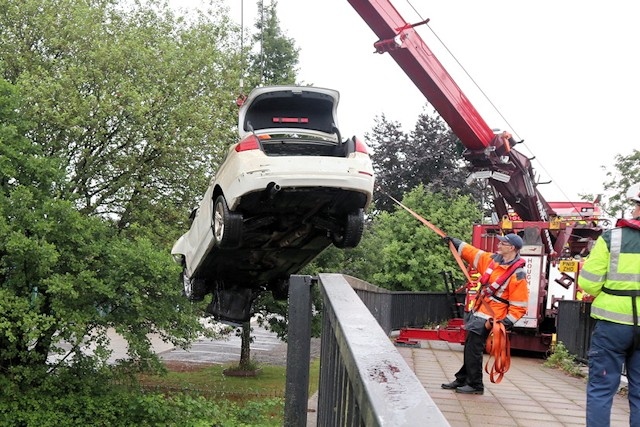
{"x":467,"y":389}
{"x":452,"y":385}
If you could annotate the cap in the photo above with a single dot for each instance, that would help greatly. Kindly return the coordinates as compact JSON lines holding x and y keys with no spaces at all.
{"x":633,"y":193}
{"x":512,"y":239}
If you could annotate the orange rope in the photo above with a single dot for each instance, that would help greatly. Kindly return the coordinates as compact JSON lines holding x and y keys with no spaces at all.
{"x":499,"y":349}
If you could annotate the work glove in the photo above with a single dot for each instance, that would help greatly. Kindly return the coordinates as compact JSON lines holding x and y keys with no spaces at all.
{"x":456,"y":242}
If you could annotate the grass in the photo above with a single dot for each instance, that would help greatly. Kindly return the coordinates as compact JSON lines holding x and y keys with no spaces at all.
{"x":210,"y":382}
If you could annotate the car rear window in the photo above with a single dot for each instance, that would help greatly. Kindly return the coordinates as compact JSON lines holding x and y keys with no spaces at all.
{"x":306,"y":110}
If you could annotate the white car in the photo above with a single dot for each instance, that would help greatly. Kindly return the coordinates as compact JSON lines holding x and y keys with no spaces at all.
{"x":286,"y":191}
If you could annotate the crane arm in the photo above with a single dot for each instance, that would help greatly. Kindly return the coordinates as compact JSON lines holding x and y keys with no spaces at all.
{"x":402,"y":42}
{"x":508,"y":171}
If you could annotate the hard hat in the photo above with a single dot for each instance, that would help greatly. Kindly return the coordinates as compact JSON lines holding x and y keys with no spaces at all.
{"x":633,"y":193}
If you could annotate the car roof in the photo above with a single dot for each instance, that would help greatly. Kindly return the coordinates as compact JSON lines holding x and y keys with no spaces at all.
{"x":289,"y":109}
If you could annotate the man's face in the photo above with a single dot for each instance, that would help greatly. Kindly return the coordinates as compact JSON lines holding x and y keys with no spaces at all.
{"x":505,"y":248}
{"x":635,"y":213}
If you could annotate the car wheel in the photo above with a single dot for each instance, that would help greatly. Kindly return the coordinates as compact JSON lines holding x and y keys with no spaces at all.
{"x":194,"y":290}
{"x":351,"y":232}
{"x":227,"y":226}
{"x":279,"y":289}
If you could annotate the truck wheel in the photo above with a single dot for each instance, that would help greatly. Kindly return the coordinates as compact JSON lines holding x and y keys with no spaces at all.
{"x":351,"y":232}
{"x":227,"y":226}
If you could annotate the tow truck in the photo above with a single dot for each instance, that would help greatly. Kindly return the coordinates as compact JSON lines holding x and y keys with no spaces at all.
{"x":557,"y":235}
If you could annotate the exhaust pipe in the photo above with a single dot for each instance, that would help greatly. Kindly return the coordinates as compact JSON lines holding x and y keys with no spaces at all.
{"x":272,"y":190}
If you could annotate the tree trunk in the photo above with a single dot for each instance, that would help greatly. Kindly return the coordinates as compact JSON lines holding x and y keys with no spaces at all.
{"x":245,"y":347}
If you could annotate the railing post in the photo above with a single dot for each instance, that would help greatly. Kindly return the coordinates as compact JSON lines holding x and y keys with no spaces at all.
{"x":298,"y":351}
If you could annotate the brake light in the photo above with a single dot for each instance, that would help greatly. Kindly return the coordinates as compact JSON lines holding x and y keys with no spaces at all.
{"x":249,"y":143}
{"x":361,"y":147}
{"x":290,"y":120}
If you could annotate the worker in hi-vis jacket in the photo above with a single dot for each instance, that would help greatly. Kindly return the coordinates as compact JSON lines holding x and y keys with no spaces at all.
{"x":504,"y":297}
{"x":611,"y":273}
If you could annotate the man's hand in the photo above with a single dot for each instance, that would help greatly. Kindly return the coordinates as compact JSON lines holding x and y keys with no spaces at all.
{"x":456,"y":242}
{"x":508,"y":324}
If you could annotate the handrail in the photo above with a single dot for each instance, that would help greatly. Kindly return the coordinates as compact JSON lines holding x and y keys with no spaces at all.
{"x":363,"y":378}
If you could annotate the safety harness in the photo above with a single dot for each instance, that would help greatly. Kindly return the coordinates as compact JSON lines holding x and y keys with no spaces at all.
{"x":633,"y":293}
{"x":497,"y":346}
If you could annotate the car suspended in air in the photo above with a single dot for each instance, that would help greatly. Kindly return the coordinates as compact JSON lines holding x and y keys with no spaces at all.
{"x":290,"y":187}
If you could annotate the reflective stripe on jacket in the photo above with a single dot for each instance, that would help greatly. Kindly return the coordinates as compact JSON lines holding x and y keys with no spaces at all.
{"x":514,"y":290}
{"x":614,"y":263}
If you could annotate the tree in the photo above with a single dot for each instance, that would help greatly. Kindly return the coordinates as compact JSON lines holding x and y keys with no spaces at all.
{"x":138,"y":101}
{"x":122,"y":112}
{"x":410,"y":256}
{"x":274,"y":59}
{"x":388,"y":143}
{"x":626,"y":173}
{"x":67,"y":277}
{"x":430,"y":156}
{"x":398,"y":252}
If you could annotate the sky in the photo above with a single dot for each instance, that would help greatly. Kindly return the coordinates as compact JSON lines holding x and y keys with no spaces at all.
{"x":563,"y":76}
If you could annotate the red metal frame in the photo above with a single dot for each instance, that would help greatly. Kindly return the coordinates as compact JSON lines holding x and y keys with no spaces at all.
{"x":566,"y":233}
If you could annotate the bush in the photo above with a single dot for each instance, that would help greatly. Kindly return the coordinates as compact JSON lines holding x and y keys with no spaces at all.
{"x":562,"y":359}
{"x":92,"y":398}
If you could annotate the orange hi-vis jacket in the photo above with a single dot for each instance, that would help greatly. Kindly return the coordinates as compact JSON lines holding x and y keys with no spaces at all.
{"x":512,"y":297}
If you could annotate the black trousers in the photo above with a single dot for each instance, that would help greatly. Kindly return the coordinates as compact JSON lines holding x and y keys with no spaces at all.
{"x":471,"y":371}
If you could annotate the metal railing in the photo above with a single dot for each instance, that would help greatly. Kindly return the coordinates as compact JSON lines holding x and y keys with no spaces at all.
{"x":400,"y":309}
{"x":364,"y":381}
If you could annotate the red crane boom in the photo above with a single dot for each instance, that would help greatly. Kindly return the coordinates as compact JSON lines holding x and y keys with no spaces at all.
{"x":553,"y":237}
{"x":510,"y":172}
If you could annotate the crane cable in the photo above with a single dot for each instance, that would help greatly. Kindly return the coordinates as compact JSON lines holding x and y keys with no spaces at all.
{"x":491,"y":103}
{"x":497,"y":345}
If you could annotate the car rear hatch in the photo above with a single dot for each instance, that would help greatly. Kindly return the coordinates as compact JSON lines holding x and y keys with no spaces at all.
{"x":290,"y":110}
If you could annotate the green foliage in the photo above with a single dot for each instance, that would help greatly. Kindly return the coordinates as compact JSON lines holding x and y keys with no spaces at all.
{"x":274,"y":58}
{"x":67,"y":278}
{"x":562,"y":359}
{"x":398,"y":252}
{"x":409,"y":255}
{"x":137,"y":101}
{"x":273,"y":61}
{"x":98,"y":402}
{"x":428,"y":156}
{"x":626,"y":173}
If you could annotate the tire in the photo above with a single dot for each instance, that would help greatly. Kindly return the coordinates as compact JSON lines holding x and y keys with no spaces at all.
{"x":226,"y":226}
{"x":193,"y":290}
{"x":352,"y":231}
{"x":279,"y":289}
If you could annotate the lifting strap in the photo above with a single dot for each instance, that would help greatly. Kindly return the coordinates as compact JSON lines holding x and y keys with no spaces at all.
{"x":499,"y":349}
{"x":439,"y":232}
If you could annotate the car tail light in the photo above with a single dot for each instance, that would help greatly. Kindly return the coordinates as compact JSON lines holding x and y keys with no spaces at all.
{"x":249,"y":143}
{"x":361,"y":147}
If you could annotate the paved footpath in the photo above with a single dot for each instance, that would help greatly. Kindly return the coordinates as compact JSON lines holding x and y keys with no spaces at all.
{"x":530,"y":394}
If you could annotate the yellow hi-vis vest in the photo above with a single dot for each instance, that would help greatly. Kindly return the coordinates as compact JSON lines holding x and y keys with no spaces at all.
{"x":611,"y":273}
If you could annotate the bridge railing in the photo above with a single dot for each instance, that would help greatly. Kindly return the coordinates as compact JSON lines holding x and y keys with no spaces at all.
{"x":364,"y":381}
